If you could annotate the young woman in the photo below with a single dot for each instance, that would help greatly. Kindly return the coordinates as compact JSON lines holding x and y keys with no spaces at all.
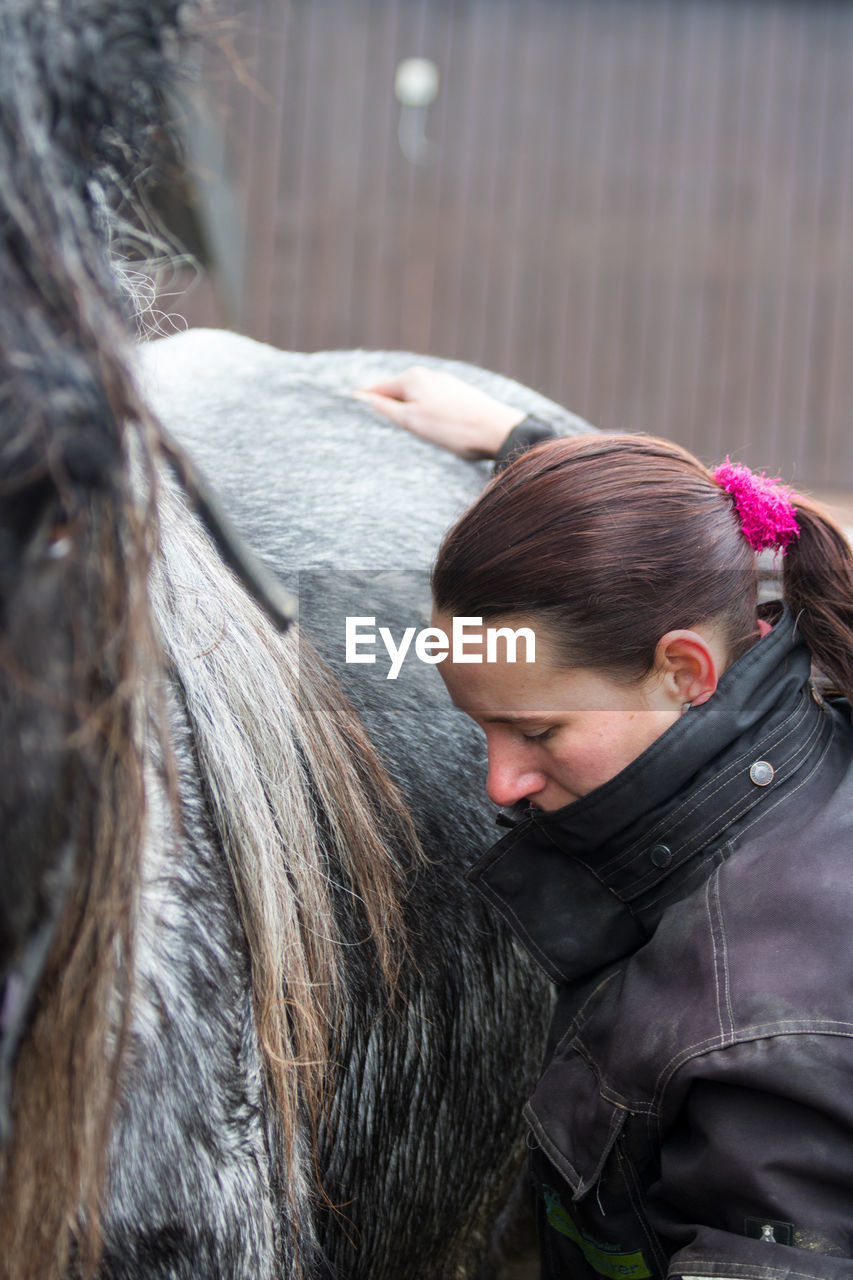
{"x":679,"y":856}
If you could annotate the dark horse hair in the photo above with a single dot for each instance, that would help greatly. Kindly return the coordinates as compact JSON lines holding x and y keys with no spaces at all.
{"x":612,"y":540}
{"x":65,"y":393}
{"x":81,"y":108}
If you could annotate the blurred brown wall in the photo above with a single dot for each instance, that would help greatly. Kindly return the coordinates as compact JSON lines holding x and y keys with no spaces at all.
{"x":642,"y":207}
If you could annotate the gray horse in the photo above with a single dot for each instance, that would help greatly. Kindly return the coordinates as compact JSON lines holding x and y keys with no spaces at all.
{"x":349,"y":511}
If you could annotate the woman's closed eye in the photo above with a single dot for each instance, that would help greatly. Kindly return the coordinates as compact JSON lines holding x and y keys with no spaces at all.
{"x":541,"y":736}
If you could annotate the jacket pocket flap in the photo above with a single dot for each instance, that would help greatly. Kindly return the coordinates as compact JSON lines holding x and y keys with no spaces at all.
{"x":575,"y":1126}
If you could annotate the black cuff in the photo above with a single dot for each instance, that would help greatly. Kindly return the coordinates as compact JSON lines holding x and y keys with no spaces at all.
{"x":530,"y":431}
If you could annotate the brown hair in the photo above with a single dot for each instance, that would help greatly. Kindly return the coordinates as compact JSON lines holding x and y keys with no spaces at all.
{"x":612,"y":540}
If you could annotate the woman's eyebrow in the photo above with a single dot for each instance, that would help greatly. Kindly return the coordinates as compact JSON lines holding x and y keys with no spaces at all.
{"x":531,"y":718}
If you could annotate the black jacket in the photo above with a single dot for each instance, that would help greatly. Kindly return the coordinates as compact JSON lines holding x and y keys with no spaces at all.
{"x":695,"y":1112}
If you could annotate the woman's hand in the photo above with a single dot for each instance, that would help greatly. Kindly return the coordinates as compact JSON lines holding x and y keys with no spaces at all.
{"x":442,"y":408}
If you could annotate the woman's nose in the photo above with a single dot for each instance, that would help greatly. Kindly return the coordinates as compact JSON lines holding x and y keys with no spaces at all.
{"x":510,"y":780}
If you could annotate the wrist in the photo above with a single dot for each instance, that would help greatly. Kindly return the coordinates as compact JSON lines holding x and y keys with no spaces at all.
{"x":524,"y":435}
{"x":501,"y":423}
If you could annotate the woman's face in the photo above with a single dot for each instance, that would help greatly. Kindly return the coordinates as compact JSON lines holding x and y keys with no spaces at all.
{"x":555,"y":733}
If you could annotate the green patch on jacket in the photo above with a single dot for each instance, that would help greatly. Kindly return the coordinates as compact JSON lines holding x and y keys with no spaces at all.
{"x":607,"y":1259}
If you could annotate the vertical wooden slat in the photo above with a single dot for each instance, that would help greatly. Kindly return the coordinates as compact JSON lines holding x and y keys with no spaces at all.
{"x":772,"y":387}
{"x":615,"y":342}
{"x":702,"y":354}
{"x":507,"y":280}
{"x":548,"y":278}
{"x":310,"y":243}
{"x":837,"y":450}
{"x":800,"y":435}
{"x":734,"y":162}
{"x":461,"y":158}
{"x":677,"y":313}
{"x":419,"y":183}
{"x":377,"y":238}
{"x":483,"y":271}
{"x":758,"y":315}
{"x":651,"y":202}
{"x":602,"y":129}
{"x":556,"y":272}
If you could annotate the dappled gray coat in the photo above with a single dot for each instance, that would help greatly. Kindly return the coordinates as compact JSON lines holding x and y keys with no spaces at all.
{"x":425,"y":1124}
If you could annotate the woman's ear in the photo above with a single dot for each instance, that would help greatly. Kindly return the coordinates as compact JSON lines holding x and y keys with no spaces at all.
{"x":688,"y":665}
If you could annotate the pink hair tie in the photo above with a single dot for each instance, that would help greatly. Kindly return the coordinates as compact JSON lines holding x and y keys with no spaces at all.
{"x":765,"y":507}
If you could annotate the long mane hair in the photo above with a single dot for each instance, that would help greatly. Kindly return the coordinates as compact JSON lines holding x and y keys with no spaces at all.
{"x":314,"y":831}
{"x":67,"y":1070}
{"x":318,"y":838}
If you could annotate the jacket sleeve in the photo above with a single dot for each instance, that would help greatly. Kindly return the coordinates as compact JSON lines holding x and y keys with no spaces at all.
{"x":763,"y":1171}
{"x":530,"y":431}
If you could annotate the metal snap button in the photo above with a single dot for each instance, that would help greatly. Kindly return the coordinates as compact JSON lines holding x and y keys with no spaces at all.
{"x":661,"y":855}
{"x":761,"y":773}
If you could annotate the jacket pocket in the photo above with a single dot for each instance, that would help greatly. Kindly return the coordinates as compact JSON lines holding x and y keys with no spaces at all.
{"x":576,"y":1127}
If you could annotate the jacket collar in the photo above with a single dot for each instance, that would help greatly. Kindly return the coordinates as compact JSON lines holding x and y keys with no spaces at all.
{"x":586,"y":884}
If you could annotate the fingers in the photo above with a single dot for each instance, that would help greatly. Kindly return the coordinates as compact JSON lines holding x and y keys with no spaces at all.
{"x":395,"y":388}
{"x":411,"y":384}
{"x":444,"y":409}
{"x":383,"y":402}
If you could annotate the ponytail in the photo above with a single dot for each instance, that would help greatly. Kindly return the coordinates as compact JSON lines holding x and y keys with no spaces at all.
{"x":817,"y":582}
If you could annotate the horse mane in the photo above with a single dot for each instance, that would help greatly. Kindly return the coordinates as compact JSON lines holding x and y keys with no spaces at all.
{"x":78,"y":102}
{"x":317,"y":839}
{"x":316,"y":834}
{"x":67,"y":405}
{"x":67,"y":1071}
